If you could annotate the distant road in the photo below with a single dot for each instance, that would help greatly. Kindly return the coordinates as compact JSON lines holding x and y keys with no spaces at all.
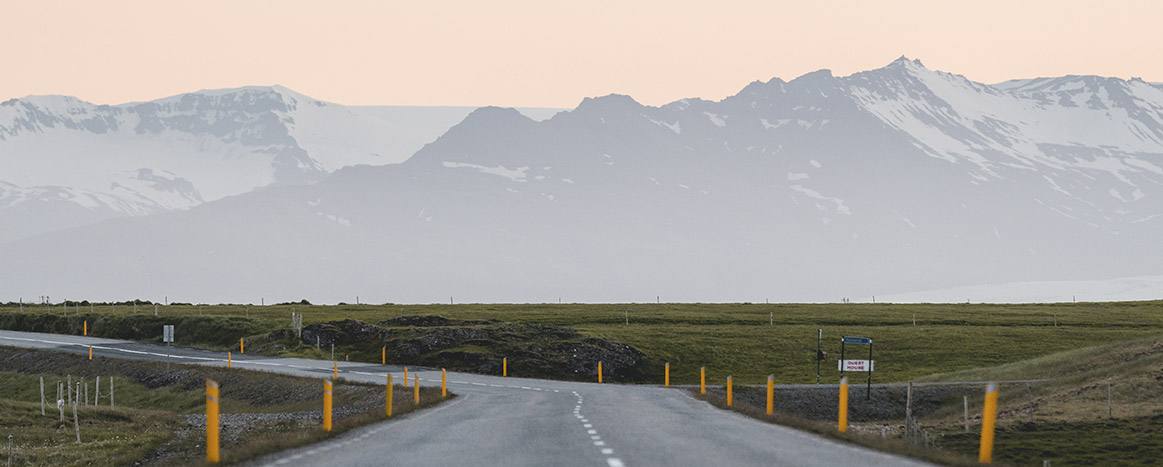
{"x":517,"y":421}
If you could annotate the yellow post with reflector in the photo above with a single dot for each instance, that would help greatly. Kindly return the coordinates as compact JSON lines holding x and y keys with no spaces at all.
{"x":842,"y":424}
{"x":599,"y":372}
{"x":334,"y":370}
{"x":988,"y":423}
{"x":384,"y":355}
{"x":327,"y":405}
{"x":241,"y":345}
{"x":229,"y":360}
{"x":212,"y":453}
{"x":443,"y":383}
{"x":505,"y":367}
{"x":85,"y":328}
{"x":416,"y":390}
{"x":702,"y":381}
{"x":730,"y":393}
{"x":405,"y":376}
{"x":666,"y":375}
{"x":770,"y":395}
{"x":388,"y":398}
{"x":90,"y":352}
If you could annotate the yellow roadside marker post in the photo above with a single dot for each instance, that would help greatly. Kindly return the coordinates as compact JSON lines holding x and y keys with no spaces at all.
{"x":730,"y":393}
{"x":666,"y":377}
{"x":599,"y":372}
{"x":90,"y":352}
{"x":384,"y":355}
{"x":334,"y":370}
{"x":416,"y":390}
{"x":212,"y":426}
{"x":843,"y":422}
{"x":405,"y":376}
{"x":241,"y":345}
{"x":443,"y":383}
{"x":388,"y":398}
{"x":229,"y":360}
{"x":85,"y":328}
{"x":988,"y":423}
{"x":770,"y":395}
{"x":327,"y":405}
{"x":702,"y":381}
{"x":505,"y":367}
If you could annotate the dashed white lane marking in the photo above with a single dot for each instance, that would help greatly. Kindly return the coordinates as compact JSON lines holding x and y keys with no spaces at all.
{"x":595,"y":438}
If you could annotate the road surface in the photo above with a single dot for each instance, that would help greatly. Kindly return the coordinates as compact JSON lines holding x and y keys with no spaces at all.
{"x":516,"y":421}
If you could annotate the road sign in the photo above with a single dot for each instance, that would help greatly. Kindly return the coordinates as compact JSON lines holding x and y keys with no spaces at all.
{"x":856,"y":365}
{"x":168,"y":333}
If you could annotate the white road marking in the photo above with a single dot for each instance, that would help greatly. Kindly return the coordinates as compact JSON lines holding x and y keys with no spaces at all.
{"x":615,"y":462}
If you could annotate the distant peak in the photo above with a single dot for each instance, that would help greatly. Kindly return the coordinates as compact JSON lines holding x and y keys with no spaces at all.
{"x":284,"y":93}
{"x":906,"y":62}
{"x":818,"y":75}
{"x":608,"y":101}
{"x":50,"y":102}
{"x":491,"y":114}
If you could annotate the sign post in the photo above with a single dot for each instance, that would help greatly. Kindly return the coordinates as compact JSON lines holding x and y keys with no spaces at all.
{"x":857,"y":365}
{"x":168,"y":334}
{"x":819,"y":353}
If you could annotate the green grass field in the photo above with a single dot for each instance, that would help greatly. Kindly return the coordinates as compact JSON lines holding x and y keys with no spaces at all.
{"x":1078,"y":347}
{"x":748,"y":341}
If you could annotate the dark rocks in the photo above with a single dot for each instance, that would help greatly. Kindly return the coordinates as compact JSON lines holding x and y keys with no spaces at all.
{"x":534,"y":350}
{"x":340,"y":333}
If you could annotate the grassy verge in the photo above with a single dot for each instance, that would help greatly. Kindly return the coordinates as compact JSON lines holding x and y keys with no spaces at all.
{"x":854,"y":435}
{"x":158,"y":418}
{"x":1101,"y":405}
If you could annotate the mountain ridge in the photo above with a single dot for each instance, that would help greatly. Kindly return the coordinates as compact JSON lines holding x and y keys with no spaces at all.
{"x":139,"y":158}
{"x":894,"y":179}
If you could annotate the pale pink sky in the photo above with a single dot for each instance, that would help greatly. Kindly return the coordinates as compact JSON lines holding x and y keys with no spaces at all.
{"x":547,"y":52}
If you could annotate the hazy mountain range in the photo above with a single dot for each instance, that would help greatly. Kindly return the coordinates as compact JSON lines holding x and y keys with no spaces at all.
{"x":65,"y":162}
{"x":891,"y":180}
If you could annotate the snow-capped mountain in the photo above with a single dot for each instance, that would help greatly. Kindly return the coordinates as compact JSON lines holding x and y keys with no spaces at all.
{"x":890,"y":180}
{"x":65,"y":162}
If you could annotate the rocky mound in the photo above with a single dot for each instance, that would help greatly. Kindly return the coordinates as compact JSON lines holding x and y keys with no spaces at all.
{"x":533,"y":350}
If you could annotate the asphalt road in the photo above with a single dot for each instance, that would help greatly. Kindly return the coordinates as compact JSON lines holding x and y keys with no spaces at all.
{"x":515,"y":421}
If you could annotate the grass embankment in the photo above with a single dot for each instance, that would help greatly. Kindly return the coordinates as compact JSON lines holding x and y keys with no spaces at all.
{"x":735,"y":339}
{"x":894,"y":444}
{"x":158,"y":417}
{"x":1064,"y":417}
{"x":1067,"y":419}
